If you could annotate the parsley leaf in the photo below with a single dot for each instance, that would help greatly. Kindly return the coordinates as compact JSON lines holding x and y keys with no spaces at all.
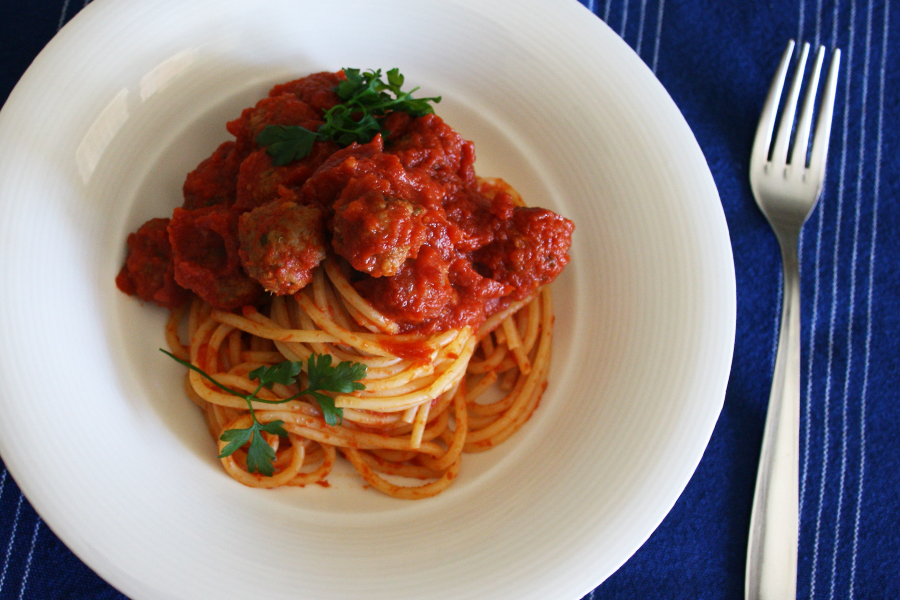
{"x":342,"y":378}
{"x":260,"y":454}
{"x":332,"y":414}
{"x":283,"y":373}
{"x":365,"y":100}
{"x":286,"y":143}
{"x":236,"y":438}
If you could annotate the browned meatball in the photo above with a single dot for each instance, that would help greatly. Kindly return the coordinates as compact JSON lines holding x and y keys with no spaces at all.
{"x":280,"y":110}
{"x":420,"y":291}
{"x":281,"y":244}
{"x":317,"y":89}
{"x":429,"y":143}
{"x":149,"y":272}
{"x":377,"y":233}
{"x":529,"y":250}
{"x":258,"y":179}
{"x":213,"y":181}
{"x":205,"y":253}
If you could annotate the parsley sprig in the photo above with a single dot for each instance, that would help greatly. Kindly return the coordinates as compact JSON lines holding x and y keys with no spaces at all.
{"x":343,"y":378}
{"x":366,"y":100}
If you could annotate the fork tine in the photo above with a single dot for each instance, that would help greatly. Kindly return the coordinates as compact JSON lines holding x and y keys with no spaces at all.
{"x":783,"y":137}
{"x":823,"y":125}
{"x":801,"y":138}
{"x":760,"y":153}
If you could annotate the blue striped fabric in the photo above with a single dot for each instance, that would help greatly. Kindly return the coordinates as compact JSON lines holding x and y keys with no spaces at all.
{"x":716,"y":60}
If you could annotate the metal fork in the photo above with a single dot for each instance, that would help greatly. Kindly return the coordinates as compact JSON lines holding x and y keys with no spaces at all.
{"x":786,"y":190}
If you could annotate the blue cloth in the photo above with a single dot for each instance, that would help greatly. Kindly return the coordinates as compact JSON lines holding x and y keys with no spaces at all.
{"x":716,"y":59}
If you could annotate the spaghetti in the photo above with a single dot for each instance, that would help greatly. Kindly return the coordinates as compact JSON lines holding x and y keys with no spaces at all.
{"x":423,"y":406}
{"x":387,"y":251}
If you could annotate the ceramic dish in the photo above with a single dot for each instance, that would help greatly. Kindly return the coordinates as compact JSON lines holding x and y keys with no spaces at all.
{"x":98,"y":136}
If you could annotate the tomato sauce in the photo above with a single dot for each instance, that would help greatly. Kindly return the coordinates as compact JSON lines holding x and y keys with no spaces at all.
{"x":149,"y":270}
{"x":429,"y":245}
{"x":412,"y":350}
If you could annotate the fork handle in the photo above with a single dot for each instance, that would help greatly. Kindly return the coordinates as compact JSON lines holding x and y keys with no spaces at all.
{"x":774,"y":522}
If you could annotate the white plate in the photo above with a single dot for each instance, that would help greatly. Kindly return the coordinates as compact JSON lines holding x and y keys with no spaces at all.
{"x":97,"y":137}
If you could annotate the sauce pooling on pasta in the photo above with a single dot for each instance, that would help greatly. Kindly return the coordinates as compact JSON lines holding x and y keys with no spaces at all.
{"x":418,"y":235}
{"x":388,"y":256}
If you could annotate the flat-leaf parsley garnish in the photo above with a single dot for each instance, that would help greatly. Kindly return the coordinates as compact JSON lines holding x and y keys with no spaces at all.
{"x":343,"y":378}
{"x":366,"y":100}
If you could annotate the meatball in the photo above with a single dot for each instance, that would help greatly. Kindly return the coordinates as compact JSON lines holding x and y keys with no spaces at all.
{"x":280,"y":110}
{"x":429,"y":143}
{"x":420,"y":291}
{"x":377,"y":233}
{"x":324,"y":186}
{"x":258,"y":179}
{"x":281,"y":244}
{"x":317,"y":89}
{"x":476,"y":217}
{"x":149,"y":272}
{"x":529,"y":250}
{"x":205,"y":252}
{"x":213,"y":181}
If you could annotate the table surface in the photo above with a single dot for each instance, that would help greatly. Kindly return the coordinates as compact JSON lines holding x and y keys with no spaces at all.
{"x":716,"y":60}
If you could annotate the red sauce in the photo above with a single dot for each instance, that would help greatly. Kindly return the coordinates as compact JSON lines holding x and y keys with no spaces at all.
{"x":205,"y":254}
{"x":428,"y":245}
{"x":149,"y":271}
{"x":214,"y":180}
{"x":407,"y":349}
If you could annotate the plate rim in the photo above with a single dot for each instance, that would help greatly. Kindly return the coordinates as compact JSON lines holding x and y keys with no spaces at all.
{"x":110,"y":572}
